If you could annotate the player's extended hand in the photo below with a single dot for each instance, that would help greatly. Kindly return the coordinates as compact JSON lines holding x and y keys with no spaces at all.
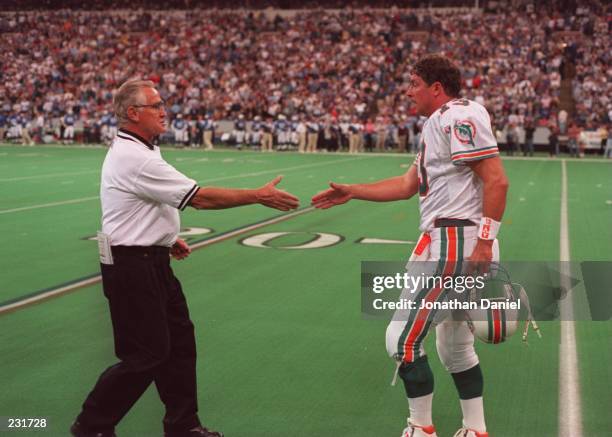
{"x":336,"y":195}
{"x":180,"y":249}
{"x":480,"y":260}
{"x":272,"y":197}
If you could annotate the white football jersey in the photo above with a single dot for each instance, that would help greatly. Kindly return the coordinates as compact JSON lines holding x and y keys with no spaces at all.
{"x":457,"y":132}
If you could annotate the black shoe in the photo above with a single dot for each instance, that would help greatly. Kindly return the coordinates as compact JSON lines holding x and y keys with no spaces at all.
{"x":77,"y":430}
{"x":200,"y":431}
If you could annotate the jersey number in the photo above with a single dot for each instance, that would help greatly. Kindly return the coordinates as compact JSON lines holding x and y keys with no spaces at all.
{"x":423,"y":183}
{"x":458,"y":102}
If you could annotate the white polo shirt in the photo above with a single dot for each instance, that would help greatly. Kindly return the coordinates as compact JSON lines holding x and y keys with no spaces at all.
{"x":141,"y":194}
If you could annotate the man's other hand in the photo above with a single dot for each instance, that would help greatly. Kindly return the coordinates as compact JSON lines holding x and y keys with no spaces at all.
{"x":480,"y":260}
{"x":180,"y":249}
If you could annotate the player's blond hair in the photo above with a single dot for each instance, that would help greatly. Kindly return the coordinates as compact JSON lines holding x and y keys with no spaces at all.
{"x":129,"y":94}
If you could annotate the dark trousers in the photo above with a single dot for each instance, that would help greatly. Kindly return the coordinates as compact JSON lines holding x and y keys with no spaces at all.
{"x":154,"y":341}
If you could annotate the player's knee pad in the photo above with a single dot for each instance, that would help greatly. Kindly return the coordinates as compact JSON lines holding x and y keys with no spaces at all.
{"x":418,"y":377}
{"x":469,"y":383}
{"x":455,"y":345}
{"x":394,"y":330}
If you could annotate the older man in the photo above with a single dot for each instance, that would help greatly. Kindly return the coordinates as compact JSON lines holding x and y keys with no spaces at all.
{"x":141,"y":197}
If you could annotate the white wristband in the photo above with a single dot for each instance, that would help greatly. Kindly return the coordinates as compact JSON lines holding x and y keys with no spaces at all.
{"x":488,"y":228}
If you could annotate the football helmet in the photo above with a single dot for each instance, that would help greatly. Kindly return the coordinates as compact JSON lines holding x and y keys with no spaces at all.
{"x":496,"y":318}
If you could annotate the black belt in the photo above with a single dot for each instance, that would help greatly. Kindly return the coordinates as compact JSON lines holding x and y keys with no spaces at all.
{"x":141,"y":251}
{"x":452,"y":223}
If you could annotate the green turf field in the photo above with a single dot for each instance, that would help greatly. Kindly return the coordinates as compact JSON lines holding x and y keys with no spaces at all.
{"x":283,"y":348}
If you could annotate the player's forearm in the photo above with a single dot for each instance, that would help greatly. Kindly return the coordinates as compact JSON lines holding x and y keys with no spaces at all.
{"x":220,"y":198}
{"x":386,"y":190}
{"x":494,"y":184}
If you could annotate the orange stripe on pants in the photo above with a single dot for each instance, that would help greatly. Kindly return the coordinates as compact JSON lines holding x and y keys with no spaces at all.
{"x":422,"y":314}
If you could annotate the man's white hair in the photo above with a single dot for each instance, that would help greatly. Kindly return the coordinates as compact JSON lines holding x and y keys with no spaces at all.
{"x":129,"y":94}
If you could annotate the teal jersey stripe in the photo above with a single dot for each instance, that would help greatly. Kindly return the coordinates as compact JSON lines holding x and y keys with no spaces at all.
{"x":476,"y":158}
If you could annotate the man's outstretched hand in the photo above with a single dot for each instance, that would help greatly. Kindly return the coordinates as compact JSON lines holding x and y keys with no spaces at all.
{"x":272,"y":197}
{"x":336,"y":195}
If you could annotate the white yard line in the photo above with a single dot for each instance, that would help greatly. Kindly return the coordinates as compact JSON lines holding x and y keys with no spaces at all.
{"x":44,"y":176}
{"x":95,"y":279}
{"x":570,"y":409}
{"x":224,"y":178}
{"x":47,"y":205}
{"x":49,"y":294}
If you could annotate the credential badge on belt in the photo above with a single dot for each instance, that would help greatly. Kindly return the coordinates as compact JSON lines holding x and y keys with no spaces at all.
{"x":104,"y":248}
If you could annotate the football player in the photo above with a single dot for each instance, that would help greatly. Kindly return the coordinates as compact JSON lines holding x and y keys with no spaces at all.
{"x":180,"y":129}
{"x":294,"y":136}
{"x":255,"y":132}
{"x":281,"y":127}
{"x":14,"y":122}
{"x":68,"y":122}
{"x":462,"y":187}
{"x":113,"y":126}
{"x":104,"y":124}
{"x":239,"y":132}
{"x":199,"y":130}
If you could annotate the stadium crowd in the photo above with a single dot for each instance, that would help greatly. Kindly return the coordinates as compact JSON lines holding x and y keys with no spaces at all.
{"x":319,"y":67}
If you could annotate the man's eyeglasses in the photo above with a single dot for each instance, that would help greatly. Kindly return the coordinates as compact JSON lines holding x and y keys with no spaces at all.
{"x":157,"y":106}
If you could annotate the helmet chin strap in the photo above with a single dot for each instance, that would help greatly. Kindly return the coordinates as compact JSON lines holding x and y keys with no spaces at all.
{"x":530,"y":319}
{"x":511,"y":288}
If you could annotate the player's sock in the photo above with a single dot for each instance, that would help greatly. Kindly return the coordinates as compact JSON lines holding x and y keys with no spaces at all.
{"x":473,"y":414}
{"x":419,"y":383}
{"x":470,"y":385}
{"x":420,"y":410}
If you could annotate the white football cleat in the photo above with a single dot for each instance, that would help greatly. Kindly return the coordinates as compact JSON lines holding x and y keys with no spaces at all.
{"x":419,"y":431}
{"x":465,"y":432}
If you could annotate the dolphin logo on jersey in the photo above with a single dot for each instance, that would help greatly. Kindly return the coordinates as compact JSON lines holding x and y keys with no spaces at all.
{"x":465,"y":132}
